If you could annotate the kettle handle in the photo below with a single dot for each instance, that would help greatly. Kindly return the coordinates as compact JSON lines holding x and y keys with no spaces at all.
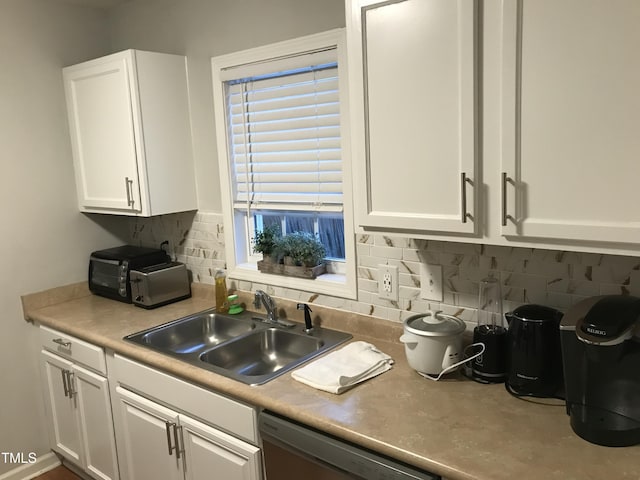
{"x":509,"y":316}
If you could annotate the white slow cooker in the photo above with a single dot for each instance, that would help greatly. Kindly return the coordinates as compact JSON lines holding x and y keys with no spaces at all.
{"x":433,"y":342}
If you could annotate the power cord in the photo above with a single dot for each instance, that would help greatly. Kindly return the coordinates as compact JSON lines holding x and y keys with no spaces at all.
{"x":456,"y":365}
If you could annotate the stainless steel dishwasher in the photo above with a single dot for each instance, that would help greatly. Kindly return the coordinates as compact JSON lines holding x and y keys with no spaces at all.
{"x":293,"y":452}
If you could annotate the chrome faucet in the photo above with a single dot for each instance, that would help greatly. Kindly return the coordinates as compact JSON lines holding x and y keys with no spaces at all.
{"x":269,"y":305}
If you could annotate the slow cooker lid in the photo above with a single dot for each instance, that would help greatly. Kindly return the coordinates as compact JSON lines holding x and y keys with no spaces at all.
{"x":434,"y":324}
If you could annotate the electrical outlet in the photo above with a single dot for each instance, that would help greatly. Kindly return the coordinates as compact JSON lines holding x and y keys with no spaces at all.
{"x":431,"y":282}
{"x":388,"y":282}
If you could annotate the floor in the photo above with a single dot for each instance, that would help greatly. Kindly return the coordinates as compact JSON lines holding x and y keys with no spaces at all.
{"x":58,"y":473}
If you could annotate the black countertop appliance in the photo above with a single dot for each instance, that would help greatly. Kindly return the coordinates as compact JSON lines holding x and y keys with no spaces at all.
{"x":601,"y":350}
{"x":109,"y":270}
{"x":534,"y":353}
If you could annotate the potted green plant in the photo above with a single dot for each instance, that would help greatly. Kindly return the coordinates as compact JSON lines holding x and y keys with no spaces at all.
{"x":298,"y":254}
{"x":265,"y":242}
{"x":301,"y":249}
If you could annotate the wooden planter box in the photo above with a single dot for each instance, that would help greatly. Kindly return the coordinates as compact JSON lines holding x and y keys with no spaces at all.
{"x":269,"y":266}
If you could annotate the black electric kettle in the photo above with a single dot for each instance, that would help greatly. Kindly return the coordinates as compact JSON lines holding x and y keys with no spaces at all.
{"x":534,"y":355}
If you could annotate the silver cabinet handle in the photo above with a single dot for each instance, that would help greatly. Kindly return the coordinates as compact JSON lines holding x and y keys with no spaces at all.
{"x":62,"y":342}
{"x":129,"y":186}
{"x":463,"y":193}
{"x":64,"y":382}
{"x":70,"y":378}
{"x":175,"y":437}
{"x":180,"y":451}
{"x":168,"y":426}
{"x":505,"y":215}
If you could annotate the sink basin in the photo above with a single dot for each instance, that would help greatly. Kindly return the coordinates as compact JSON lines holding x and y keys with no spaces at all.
{"x":244,"y":347}
{"x":194,"y":333}
{"x":263,"y":352}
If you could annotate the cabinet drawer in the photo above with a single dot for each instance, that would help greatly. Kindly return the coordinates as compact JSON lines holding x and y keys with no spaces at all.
{"x":74,"y":349}
{"x":217,"y":410}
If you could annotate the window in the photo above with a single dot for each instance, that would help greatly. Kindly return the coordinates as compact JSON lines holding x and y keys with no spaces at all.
{"x":281,"y":123}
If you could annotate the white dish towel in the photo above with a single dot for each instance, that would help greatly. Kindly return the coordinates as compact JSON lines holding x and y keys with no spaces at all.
{"x":340,"y":370}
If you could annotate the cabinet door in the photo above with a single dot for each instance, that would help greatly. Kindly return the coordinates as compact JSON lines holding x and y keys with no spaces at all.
{"x":64,"y":430}
{"x":209,"y":450}
{"x":571,"y":119}
{"x":96,"y":423}
{"x":101,"y":109}
{"x":149,"y":450}
{"x":417,"y":167}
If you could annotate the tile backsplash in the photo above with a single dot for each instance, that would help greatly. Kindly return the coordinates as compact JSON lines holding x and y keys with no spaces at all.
{"x":195,"y":239}
{"x":528,"y":275}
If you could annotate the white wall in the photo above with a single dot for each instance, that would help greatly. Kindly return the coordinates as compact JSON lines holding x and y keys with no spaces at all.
{"x":45,"y":241}
{"x":201,"y":29}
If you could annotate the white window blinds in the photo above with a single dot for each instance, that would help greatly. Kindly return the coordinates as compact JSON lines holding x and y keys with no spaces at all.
{"x":285,"y":139}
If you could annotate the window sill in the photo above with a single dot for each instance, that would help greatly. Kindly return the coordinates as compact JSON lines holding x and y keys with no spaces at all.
{"x":334,"y":284}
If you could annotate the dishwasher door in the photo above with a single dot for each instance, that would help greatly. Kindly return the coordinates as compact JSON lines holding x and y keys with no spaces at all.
{"x":292,"y":452}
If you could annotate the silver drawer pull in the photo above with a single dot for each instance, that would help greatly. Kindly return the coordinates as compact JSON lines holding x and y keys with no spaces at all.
{"x":62,"y":342}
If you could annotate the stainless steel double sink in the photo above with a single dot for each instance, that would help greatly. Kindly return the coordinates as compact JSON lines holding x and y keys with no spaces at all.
{"x":244,"y":347}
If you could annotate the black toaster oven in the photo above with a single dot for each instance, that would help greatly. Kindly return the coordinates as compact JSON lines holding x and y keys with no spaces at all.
{"x":109,"y":270}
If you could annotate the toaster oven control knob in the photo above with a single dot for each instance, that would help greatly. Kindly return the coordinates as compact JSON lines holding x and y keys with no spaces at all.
{"x":122,"y":291}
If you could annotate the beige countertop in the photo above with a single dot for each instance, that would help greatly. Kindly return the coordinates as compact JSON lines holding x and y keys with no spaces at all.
{"x":456,"y":428}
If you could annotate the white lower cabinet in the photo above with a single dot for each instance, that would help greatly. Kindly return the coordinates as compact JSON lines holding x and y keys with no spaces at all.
{"x":64,"y":431}
{"x":209,"y":450}
{"x":159,"y":437}
{"x":78,"y":406}
{"x":160,"y":443}
{"x":148,"y":450}
{"x":164,"y":428}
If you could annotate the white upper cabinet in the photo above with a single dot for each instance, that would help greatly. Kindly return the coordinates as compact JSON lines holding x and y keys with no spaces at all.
{"x":413,"y":78}
{"x":130,"y":133}
{"x":570,"y":123}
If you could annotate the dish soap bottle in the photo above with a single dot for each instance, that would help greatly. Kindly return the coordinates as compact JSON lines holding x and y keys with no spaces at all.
{"x":222,"y":296}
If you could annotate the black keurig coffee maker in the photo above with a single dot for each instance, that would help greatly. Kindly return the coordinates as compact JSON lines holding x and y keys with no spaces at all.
{"x":601,"y":355}
{"x":491,"y":365}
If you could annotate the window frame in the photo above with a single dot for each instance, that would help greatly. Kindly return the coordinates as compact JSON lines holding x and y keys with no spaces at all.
{"x":236,"y":223}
